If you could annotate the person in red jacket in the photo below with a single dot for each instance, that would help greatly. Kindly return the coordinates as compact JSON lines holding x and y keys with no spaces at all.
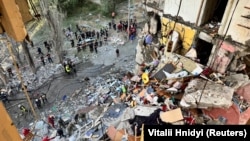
{"x":51,"y":121}
{"x":25,"y":131}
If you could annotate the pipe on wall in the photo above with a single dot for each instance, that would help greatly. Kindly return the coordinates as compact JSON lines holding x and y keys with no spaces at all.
{"x":199,"y":13}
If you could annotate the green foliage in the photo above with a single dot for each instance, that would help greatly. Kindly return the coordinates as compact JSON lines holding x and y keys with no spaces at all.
{"x":109,"y":6}
{"x":73,"y":6}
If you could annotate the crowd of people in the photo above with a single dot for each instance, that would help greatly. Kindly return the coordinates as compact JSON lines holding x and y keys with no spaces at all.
{"x":92,"y":38}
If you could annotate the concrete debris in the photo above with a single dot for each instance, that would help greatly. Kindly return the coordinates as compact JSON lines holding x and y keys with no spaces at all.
{"x":212,"y":95}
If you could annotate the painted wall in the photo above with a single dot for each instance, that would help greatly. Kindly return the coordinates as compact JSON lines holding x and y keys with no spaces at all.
{"x":8,"y":131}
{"x":11,"y":20}
{"x":239,"y":33}
{"x":187,"y":34}
{"x":24,"y":10}
{"x":189,"y":9}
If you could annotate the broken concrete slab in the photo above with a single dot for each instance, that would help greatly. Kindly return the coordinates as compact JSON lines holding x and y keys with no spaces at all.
{"x":205,"y":94}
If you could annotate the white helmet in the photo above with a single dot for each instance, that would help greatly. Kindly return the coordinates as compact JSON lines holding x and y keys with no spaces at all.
{"x":19,"y":105}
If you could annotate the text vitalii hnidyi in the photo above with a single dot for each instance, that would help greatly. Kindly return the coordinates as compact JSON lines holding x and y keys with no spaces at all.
{"x":197,"y":133}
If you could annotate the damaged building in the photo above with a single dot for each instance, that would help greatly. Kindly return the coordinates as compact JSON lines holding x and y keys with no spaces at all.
{"x":191,"y":69}
{"x":198,"y":56}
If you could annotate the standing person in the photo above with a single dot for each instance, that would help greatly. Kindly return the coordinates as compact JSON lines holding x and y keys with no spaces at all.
{"x":9,"y":70}
{"x":105,"y":40}
{"x":114,"y":26}
{"x":46,"y":44}
{"x":110,"y":24}
{"x":49,"y":58}
{"x":67,"y":69}
{"x":113,"y":15}
{"x":23,"y":109}
{"x":42,"y":60}
{"x":44,"y":98}
{"x":39,"y":50}
{"x":70,"y":128}
{"x":97,"y":35}
{"x":4,"y":97}
{"x":41,"y":99}
{"x":91,"y":46}
{"x":60,"y":133}
{"x":76,"y":117}
{"x":51,"y":121}
{"x":72,"y":42}
{"x":38,"y":103}
{"x":61,"y":123}
{"x":117,"y":52}
{"x":96,"y":45}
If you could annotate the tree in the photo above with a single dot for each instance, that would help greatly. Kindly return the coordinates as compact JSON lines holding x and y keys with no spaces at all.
{"x":108,"y":6}
{"x":54,"y":19}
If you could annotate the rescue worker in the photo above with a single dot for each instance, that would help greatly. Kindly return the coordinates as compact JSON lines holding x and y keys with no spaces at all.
{"x":67,"y":69}
{"x":22,"y":108}
{"x":44,"y":98}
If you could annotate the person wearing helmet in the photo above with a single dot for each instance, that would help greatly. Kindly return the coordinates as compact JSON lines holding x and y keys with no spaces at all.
{"x":38,"y":103}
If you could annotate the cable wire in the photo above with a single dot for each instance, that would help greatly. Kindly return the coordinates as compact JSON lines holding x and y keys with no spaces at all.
{"x":217,"y":50}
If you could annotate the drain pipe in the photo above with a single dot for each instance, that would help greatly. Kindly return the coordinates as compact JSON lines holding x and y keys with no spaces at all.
{"x":199,"y":13}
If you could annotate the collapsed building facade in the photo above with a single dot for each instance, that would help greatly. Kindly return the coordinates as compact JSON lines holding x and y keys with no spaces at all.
{"x":215,"y":29}
{"x":189,"y":73}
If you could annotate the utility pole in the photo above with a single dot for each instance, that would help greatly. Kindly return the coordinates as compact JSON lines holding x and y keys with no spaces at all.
{"x":128,"y":18}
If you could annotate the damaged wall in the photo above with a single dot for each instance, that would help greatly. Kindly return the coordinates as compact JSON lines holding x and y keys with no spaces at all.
{"x":189,"y":10}
{"x":187,"y":34}
{"x":239,"y":28}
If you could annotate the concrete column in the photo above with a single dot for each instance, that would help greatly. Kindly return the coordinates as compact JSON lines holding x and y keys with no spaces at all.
{"x":226,"y":16}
